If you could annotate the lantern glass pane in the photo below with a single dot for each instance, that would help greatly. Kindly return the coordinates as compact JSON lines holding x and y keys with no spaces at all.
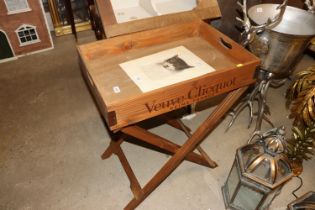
{"x":269,"y":198}
{"x":232,"y":181}
{"x":263,"y":170}
{"x":250,"y":153}
{"x":247,"y":198}
{"x":283,"y":170}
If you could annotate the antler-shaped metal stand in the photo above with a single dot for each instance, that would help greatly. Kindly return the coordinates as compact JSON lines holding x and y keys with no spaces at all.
{"x":258,"y":94}
{"x":264,"y":78}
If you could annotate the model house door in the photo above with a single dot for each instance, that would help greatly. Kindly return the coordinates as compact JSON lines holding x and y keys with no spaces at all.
{"x":5,"y":49}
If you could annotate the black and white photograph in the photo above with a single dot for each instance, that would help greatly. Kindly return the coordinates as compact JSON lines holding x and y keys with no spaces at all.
{"x":165,"y":68}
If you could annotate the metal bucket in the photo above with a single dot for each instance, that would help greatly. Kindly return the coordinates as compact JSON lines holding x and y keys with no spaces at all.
{"x":284,"y":44}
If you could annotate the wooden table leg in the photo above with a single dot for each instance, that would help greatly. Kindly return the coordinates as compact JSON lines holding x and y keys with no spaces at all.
{"x":134,"y":183}
{"x":177,"y":123}
{"x":162,"y":143}
{"x":211,"y":162}
{"x":208,"y":125}
{"x":112,"y":148}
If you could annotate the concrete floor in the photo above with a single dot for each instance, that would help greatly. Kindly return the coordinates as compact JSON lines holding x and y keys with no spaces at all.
{"x":52,"y":137}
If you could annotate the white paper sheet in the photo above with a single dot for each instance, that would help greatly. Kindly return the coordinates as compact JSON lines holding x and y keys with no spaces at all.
{"x":165,"y":68}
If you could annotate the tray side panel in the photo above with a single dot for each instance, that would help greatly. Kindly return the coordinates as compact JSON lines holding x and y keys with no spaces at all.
{"x":110,"y":117}
{"x":177,"y":96}
{"x":106,"y":12}
{"x":225,"y":44}
{"x":118,"y":45}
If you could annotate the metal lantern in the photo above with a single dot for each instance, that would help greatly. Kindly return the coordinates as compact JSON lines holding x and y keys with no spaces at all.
{"x":258,"y":173}
{"x":305,"y":202}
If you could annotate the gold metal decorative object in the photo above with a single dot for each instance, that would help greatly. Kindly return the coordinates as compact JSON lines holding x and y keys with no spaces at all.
{"x":301,"y":97}
{"x":301,"y":101}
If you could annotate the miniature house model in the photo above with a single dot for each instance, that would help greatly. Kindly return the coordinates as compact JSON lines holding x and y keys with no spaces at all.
{"x":23,"y":28}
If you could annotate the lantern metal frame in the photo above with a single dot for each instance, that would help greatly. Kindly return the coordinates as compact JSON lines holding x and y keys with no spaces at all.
{"x":244,"y":181}
{"x":306,"y":201}
{"x":270,"y":150}
{"x":267,"y":155}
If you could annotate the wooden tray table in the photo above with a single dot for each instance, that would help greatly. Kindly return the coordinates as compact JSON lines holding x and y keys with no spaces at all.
{"x":123,"y":109}
{"x":205,"y":9}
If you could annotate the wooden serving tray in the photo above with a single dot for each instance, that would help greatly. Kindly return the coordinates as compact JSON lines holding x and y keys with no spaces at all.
{"x":205,"y":9}
{"x":100,"y":61}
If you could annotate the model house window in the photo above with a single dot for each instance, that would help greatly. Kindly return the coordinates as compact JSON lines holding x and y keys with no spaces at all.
{"x":17,"y":6}
{"x":27,"y":34}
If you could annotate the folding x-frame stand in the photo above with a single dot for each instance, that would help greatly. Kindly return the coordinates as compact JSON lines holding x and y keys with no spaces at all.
{"x":180,"y":153}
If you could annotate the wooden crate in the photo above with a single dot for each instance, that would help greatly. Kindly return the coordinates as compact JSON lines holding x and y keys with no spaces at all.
{"x":100,"y":61}
{"x":205,"y":9}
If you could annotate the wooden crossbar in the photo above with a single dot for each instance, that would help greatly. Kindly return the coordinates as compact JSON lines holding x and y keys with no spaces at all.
{"x":184,"y":152}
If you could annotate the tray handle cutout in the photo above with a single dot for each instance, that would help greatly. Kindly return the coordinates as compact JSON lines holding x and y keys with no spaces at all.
{"x":225,"y":43}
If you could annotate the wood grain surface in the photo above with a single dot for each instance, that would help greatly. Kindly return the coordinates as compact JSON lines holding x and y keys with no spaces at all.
{"x":100,"y":61}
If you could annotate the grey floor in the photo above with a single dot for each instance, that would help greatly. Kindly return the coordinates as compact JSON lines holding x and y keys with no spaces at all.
{"x":51,"y":139}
